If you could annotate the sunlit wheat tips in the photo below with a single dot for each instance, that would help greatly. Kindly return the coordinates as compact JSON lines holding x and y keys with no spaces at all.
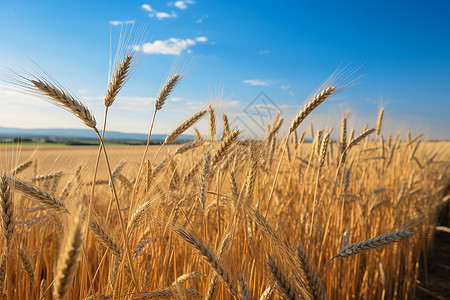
{"x":117,"y":81}
{"x":379,"y":121}
{"x":310,"y":106}
{"x":212,"y":123}
{"x":64,"y":99}
{"x":172,"y":136}
{"x":226,"y":126}
{"x":167,"y":88}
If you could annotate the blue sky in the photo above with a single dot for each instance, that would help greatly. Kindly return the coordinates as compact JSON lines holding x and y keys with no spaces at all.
{"x":239,"y":49}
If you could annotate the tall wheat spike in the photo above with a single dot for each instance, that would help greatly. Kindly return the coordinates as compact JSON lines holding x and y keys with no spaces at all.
{"x":206,"y":254}
{"x":69,"y":258}
{"x":117,"y":80}
{"x":172,"y":136}
{"x":310,"y":106}
{"x":7,"y":208}
{"x":286,"y":288}
{"x":372,"y":243}
{"x":164,"y":93}
{"x":65,"y":100}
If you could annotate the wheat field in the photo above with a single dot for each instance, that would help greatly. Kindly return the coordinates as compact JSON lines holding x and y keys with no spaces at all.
{"x":346,"y":216}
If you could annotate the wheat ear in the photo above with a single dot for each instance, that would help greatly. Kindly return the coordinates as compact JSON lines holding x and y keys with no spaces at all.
{"x":21,"y":167}
{"x":243,"y":288}
{"x":226,"y":126}
{"x":372,"y":243}
{"x":379,"y":121}
{"x":117,"y":81}
{"x":224,"y":147}
{"x":213,"y":282}
{"x":36,"y":194}
{"x":26,"y":264}
{"x":170,"y":292}
{"x":315,"y":284}
{"x":204,"y":179}
{"x":206,"y":254}
{"x":7,"y":208}
{"x":105,"y":238}
{"x":285,"y":287}
{"x":184,"y":126}
{"x":64,"y":99}
{"x":167,"y":88}
{"x":316,"y":101}
{"x":212,"y":123}
{"x":69,"y":258}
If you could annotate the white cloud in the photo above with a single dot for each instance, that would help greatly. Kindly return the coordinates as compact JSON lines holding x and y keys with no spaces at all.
{"x":164,"y":15}
{"x":117,"y":23}
{"x":160,"y":15}
{"x":147,"y":7}
{"x":183,"y":4}
{"x":285,"y":87}
{"x":256,"y":82}
{"x":172,"y":46}
{"x":262,"y":52}
{"x":202,"y":18}
{"x":201,"y":39}
{"x":176,"y":99}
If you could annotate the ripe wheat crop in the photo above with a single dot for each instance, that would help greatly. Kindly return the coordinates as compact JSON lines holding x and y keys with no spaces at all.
{"x":342,"y":217}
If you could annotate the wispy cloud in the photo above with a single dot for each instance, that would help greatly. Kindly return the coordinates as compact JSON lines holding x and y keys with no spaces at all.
{"x":172,"y":46}
{"x":164,"y":15}
{"x":285,"y":87}
{"x":262,"y":52}
{"x":160,"y":15}
{"x":183,"y":4}
{"x":117,"y":23}
{"x":256,"y":82}
{"x":201,"y":39}
{"x":202,"y":18}
{"x":147,"y":7}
